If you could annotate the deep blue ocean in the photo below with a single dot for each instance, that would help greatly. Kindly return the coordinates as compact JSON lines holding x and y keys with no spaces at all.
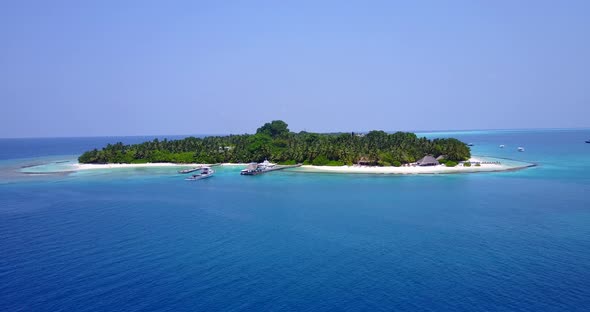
{"x":146,"y":240}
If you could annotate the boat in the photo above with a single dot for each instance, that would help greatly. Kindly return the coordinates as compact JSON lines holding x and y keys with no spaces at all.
{"x":501,"y":145}
{"x":266,"y":165}
{"x":252,"y":169}
{"x":206,"y":172}
{"x":587,"y":141}
{"x":470,"y":144}
{"x":263,"y":167}
{"x":184,"y":171}
{"x":520,"y":149}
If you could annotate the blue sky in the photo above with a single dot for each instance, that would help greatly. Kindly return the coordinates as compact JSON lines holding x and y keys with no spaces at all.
{"x":93,"y":68}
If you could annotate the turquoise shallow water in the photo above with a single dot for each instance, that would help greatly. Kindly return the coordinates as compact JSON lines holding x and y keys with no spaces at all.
{"x":146,"y":240}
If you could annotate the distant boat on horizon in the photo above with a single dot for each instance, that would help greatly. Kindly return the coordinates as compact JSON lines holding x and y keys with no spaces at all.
{"x":469,"y":144}
{"x":521,"y":149}
{"x":501,"y":145}
{"x":587,"y":141}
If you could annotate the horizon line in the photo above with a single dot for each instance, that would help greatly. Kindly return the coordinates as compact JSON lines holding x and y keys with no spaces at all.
{"x":360,"y":131}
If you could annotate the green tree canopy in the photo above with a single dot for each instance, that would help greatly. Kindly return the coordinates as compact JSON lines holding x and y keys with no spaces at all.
{"x":273,"y":141}
{"x":275,"y":128}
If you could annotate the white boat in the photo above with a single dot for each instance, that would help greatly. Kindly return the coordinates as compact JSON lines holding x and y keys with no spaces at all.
{"x":521,"y":149}
{"x":470,"y":144}
{"x":266,"y":165}
{"x":502,"y":146}
{"x":206,"y":172}
{"x":189,"y":170}
{"x":252,"y":169}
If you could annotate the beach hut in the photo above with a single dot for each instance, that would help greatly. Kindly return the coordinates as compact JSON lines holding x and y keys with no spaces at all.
{"x":427,"y":161}
{"x":363,"y":161}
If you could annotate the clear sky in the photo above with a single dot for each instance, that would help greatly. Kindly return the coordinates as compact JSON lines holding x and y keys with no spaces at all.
{"x":93,"y":68}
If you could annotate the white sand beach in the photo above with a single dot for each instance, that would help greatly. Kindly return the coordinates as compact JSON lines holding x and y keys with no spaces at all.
{"x":79,"y":166}
{"x":486,"y":165}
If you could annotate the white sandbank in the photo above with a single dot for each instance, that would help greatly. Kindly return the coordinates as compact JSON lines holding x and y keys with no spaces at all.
{"x":486,"y":165}
{"x":79,"y":166}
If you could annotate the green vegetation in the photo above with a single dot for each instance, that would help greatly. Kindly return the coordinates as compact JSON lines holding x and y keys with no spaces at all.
{"x":450,"y":163}
{"x":274,"y":141}
{"x":466,"y":164}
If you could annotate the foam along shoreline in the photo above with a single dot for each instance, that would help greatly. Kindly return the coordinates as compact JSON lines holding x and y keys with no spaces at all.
{"x":488,"y":164}
{"x":73,"y":166}
{"x":79,"y":166}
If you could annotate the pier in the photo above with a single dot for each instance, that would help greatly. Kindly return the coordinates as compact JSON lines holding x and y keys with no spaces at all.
{"x":185,"y":171}
{"x":261,"y":171}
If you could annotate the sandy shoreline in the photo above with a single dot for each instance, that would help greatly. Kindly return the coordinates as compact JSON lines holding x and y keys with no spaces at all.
{"x":486,"y":166}
{"x":79,"y":166}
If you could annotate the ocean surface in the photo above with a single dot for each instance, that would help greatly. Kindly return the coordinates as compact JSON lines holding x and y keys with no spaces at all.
{"x":146,"y":240}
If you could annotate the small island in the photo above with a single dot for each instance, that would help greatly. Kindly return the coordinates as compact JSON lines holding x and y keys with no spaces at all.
{"x":275,"y":142}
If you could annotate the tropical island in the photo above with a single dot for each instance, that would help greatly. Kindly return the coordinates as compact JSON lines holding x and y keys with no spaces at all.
{"x":275,"y":142}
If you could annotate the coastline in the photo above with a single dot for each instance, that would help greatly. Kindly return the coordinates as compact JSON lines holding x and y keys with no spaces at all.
{"x":79,"y":166}
{"x":488,"y":164}
{"x":504,"y":165}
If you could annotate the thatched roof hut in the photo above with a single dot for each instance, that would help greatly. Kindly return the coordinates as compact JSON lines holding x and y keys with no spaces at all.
{"x":363,"y":161}
{"x":428,"y":160}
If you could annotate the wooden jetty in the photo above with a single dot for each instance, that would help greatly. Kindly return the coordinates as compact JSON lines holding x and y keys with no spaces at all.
{"x":257,"y":171}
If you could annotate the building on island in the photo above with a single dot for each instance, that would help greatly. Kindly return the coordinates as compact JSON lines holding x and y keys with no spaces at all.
{"x":363,"y":161}
{"x":428,"y":160}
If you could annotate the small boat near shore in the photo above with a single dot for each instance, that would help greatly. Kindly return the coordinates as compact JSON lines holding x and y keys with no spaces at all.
{"x":501,"y":145}
{"x":520,"y":149}
{"x":206,"y":172}
{"x":251,"y":169}
{"x":256,"y":169}
{"x":266,"y":164}
{"x":185,"y":171}
{"x":469,"y":144}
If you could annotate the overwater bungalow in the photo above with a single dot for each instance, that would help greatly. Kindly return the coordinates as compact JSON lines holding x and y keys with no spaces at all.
{"x":428,"y":160}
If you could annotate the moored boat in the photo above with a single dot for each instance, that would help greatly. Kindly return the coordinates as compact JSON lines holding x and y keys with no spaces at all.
{"x":184,"y":171}
{"x":255,"y":169}
{"x":206,"y":172}
{"x":266,"y":165}
{"x":251,"y":169}
{"x":501,"y":145}
{"x":520,"y":149}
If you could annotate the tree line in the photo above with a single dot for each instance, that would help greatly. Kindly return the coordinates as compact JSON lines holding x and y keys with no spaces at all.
{"x":274,"y":141}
